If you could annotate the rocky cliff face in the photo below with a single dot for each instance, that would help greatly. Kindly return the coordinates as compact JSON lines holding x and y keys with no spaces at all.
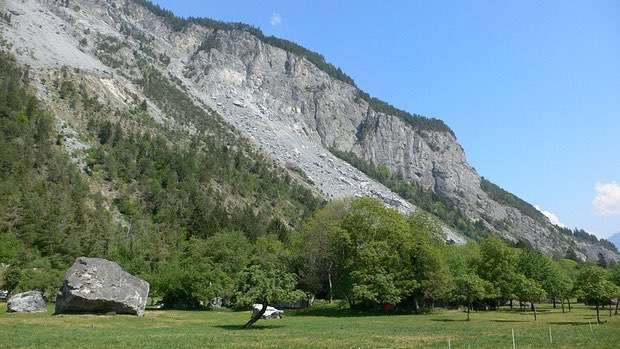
{"x":285,"y":104}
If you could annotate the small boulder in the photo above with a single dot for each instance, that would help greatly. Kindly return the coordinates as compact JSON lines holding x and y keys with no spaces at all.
{"x":95,"y":285}
{"x":270,"y":313}
{"x":216,"y":303}
{"x":292,"y":166}
{"x":26,"y":302}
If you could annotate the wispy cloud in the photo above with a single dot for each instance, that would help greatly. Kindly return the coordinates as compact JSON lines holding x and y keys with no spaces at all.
{"x":275,"y":19}
{"x":607,"y":200}
{"x":553,"y":218}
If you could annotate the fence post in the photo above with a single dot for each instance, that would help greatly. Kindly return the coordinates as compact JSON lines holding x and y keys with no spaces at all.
{"x":550,"y":337}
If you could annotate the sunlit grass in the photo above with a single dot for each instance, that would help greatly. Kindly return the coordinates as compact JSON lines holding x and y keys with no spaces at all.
{"x":322,"y":327}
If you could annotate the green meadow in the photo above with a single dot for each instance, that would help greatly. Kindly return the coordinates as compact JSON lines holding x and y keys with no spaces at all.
{"x":325,"y":326}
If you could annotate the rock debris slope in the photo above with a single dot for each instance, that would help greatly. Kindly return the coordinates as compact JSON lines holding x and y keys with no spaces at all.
{"x":289,"y":107}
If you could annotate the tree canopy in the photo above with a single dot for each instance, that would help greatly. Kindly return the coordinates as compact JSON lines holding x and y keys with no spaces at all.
{"x":265,"y":286}
{"x":593,"y":286}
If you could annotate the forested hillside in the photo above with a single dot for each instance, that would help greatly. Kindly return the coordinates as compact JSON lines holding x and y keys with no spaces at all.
{"x":195,"y":217}
{"x":47,"y":213}
{"x":166,"y":190}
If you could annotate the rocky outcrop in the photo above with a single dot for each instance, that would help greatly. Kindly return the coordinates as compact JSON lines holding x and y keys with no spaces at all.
{"x":291,"y":109}
{"x":95,"y":285}
{"x":26,"y":302}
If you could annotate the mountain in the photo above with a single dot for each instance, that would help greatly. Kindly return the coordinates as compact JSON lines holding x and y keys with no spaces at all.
{"x":305,"y":114}
{"x":615,"y":239}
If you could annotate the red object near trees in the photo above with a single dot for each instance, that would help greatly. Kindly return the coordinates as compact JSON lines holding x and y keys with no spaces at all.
{"x":387,"y":307}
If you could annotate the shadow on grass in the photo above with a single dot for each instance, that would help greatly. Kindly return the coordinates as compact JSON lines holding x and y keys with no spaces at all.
{"x":519,"y":311}
{"x":568,"y":323}
{"x":450,"y":320}
{"x":506,"y":320}
{"x":257,"y":327}
{"x":86,"y":314}
{"x":341,"y":313}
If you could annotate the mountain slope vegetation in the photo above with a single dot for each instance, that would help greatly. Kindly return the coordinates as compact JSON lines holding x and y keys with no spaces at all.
{"x":165,"y":192}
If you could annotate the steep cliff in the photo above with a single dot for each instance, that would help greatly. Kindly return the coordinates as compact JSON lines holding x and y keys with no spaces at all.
{"x":285,"y":100}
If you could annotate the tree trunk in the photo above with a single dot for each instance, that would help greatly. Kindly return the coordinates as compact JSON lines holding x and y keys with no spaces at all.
{"x":562,"y":304}
{"x":610,"y":308}
{"x":617,"y":302}
{"x":349,"y":300}
{"x":255,"y":317}
{"x":534,"y":308}
{"x":468,"y":310}
{"x":569,"y":309}
{"x":510,"y":303}
{"x":598,"y":319}
{"x":329,"y":279}
{"x":553,"y":302}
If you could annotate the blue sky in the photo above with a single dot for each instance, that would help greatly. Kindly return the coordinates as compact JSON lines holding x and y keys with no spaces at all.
{"x":531,"y":88}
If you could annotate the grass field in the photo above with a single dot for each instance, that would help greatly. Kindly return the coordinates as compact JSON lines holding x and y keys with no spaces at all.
{"x":321,"y":327}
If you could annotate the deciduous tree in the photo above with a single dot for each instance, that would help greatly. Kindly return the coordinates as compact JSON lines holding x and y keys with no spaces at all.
{"x":470,"y":288}
{"x":265,"y":286}
{"x":594,"y":288}
{"x":529,"y":290}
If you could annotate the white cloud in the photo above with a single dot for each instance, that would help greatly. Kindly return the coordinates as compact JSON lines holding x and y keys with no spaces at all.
{"x":551,"y":216}
{"x":607,"y":200}
{"x":275,"y":19}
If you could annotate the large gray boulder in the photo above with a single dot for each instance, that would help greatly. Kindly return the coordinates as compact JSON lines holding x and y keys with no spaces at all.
{"x":26,"y":302}
{"x":95,"y":285}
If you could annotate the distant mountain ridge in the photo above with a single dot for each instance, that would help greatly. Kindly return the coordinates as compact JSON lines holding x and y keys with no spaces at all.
{"x":615,"y":239}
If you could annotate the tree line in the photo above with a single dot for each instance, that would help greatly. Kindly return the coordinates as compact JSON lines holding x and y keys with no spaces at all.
{"x":371,"y":256}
